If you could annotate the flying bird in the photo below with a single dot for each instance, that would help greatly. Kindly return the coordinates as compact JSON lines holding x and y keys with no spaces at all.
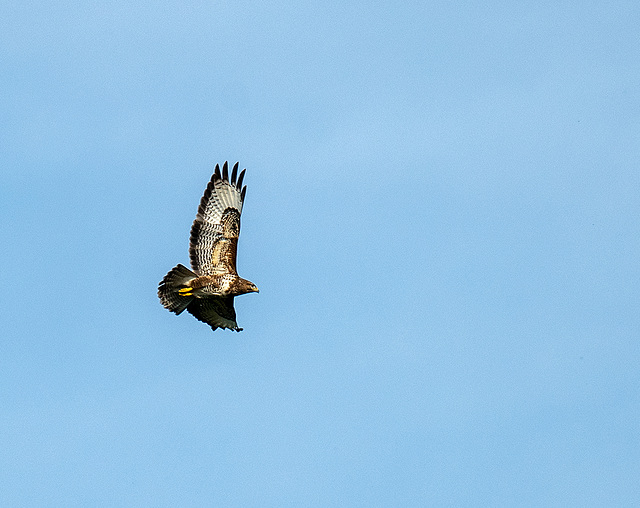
{"x":208,"y":289}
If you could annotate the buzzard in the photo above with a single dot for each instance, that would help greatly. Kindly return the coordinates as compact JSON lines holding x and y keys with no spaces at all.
{"x":208,"y":289}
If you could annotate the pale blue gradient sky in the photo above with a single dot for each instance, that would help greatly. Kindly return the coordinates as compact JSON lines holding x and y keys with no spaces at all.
{"x":442,"y":216}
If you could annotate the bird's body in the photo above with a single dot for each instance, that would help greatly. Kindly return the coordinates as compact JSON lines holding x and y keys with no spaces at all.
{"x":208,"y":289}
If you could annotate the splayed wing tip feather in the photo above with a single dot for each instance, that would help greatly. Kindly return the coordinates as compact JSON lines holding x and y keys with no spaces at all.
{"x":234,"y":174}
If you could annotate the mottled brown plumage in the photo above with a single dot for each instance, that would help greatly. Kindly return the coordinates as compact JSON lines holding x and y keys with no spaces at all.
{"x":208,"y":289}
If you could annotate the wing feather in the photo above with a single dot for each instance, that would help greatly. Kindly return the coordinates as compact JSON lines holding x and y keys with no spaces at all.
{"x":225,"y":171}
{"x":214,"y":233}
{"x":234,"y":174}
{"x":239,"y":183}
{"x":218,"y":312}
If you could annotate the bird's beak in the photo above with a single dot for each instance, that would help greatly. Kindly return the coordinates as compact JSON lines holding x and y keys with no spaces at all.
{"x":256,"y":290}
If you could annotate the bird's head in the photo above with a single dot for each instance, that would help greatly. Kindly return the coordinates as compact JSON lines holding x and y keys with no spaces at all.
{"x":249,"y":287}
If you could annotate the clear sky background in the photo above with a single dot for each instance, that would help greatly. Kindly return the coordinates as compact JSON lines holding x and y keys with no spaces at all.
{"x":442,"y":216}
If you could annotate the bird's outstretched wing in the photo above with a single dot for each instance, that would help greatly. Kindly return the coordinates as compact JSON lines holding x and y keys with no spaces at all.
{"x":214,"y":235}
{"x":216,"y":311}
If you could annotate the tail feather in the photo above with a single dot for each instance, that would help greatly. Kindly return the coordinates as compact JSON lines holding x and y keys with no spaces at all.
{"x":177,"y":278}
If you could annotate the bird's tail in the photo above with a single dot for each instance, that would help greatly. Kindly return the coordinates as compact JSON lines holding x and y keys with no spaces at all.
{"x":169,"y":289}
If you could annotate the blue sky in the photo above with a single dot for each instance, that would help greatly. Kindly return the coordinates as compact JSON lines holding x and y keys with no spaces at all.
{"x":442,"y":217}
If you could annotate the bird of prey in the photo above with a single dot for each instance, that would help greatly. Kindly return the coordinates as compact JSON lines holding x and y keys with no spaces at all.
{"x":208,"y":289}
